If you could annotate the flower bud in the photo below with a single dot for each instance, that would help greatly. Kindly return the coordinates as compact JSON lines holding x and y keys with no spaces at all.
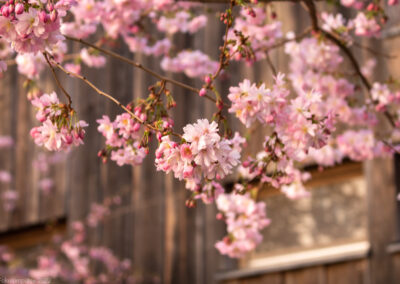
{"x":53,"y":16}
{"x":202,"y":92}
{"x":43,"y":17}
{"x":136,"y":127}
{"x":50,"y":7}
{"x":4,"y":11}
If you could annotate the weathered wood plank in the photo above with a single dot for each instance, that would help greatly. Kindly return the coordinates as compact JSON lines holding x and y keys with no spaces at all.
{"x":314,"y":275}
{"x":381,"y":206}
{"x":348,"y":273}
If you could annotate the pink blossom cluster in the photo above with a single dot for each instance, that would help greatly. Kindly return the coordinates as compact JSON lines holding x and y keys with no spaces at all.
{"x":296,"y":189}
{"x":365,"y":26}
{"x":300,"y":123}
{"x":308,"y":72}
{"x":384,"y":97}
{"x":97,"y":213}
{"x":361,"y":145}
{"x":192,"y":63}
{"x":182,"y":21}
{"x":362,"y":24}
{"x":47,"y":268}
{"x":337,"y":24}
{"x":204,"y":154}
{"x":329,"y":155}
{"x":314,"y":54}
{"x":273,"y":166}
{"x":209,"y":192}
{"x":244,"y":219}
{"x":259,"y":31}
{"x":59,"y":131}
{"x":92,"y":60}
{"x":123,"y":138}
{"x":30,"y":65}
{"x":125,"y":19}
{"x":251,"y":102}
{"x":71,"y":259}
{"x":105,"y":256}
{"x":29,"y":28}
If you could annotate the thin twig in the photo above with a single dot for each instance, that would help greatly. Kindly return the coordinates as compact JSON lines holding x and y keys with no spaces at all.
{"x":312,"y":11}
{"x":271,"y":65}
{"x":139,"y":65}
{"x":108,"y":96}
{"x":57,"y":81}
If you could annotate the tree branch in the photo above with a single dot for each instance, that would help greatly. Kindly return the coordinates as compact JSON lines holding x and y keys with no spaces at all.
{"x":57,"y":81}
{"x":108,"y":96}
{"x":139,"y":65}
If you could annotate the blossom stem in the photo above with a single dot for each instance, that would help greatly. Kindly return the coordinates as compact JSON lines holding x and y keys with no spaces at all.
{"x":57,"y":81}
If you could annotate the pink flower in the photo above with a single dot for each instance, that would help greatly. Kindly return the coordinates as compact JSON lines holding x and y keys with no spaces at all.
{"x":130,"y":155}
{"x":91,"y":60}
{"x":30,"y":65}
{"x":360,"y":145}
{"x":201,"y":135}
{"x":366,"y":27}
{"x":186,"y":152}
{"x":28,"y":22}
{"x":192,"y":63}
{"x":122,"y":136}
{"x":74,"y":68}
{"x":244,"y":218}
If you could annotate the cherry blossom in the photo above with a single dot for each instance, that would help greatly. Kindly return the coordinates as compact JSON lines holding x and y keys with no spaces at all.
{"x":244,"y":218}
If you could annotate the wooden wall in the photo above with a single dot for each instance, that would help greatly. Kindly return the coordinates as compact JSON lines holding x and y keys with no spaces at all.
{"x":167,"y":242}
{"x":354,"y":272}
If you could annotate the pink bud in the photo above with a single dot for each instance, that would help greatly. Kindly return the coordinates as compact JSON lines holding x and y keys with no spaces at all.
{"x":53,"y":16}
{"x":50,"y":7}
{"x":207,"y":79}
{"x":138,"y":110}
{"x":220,"y":104}
{"x":68,"y":139}
{"x":143,"y":116}
{"x":4,"y":11}
{"x":136,"y":127}
{"x":43,"y":17}
{"x":11,"y":8}
{"x":202,"y":92}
